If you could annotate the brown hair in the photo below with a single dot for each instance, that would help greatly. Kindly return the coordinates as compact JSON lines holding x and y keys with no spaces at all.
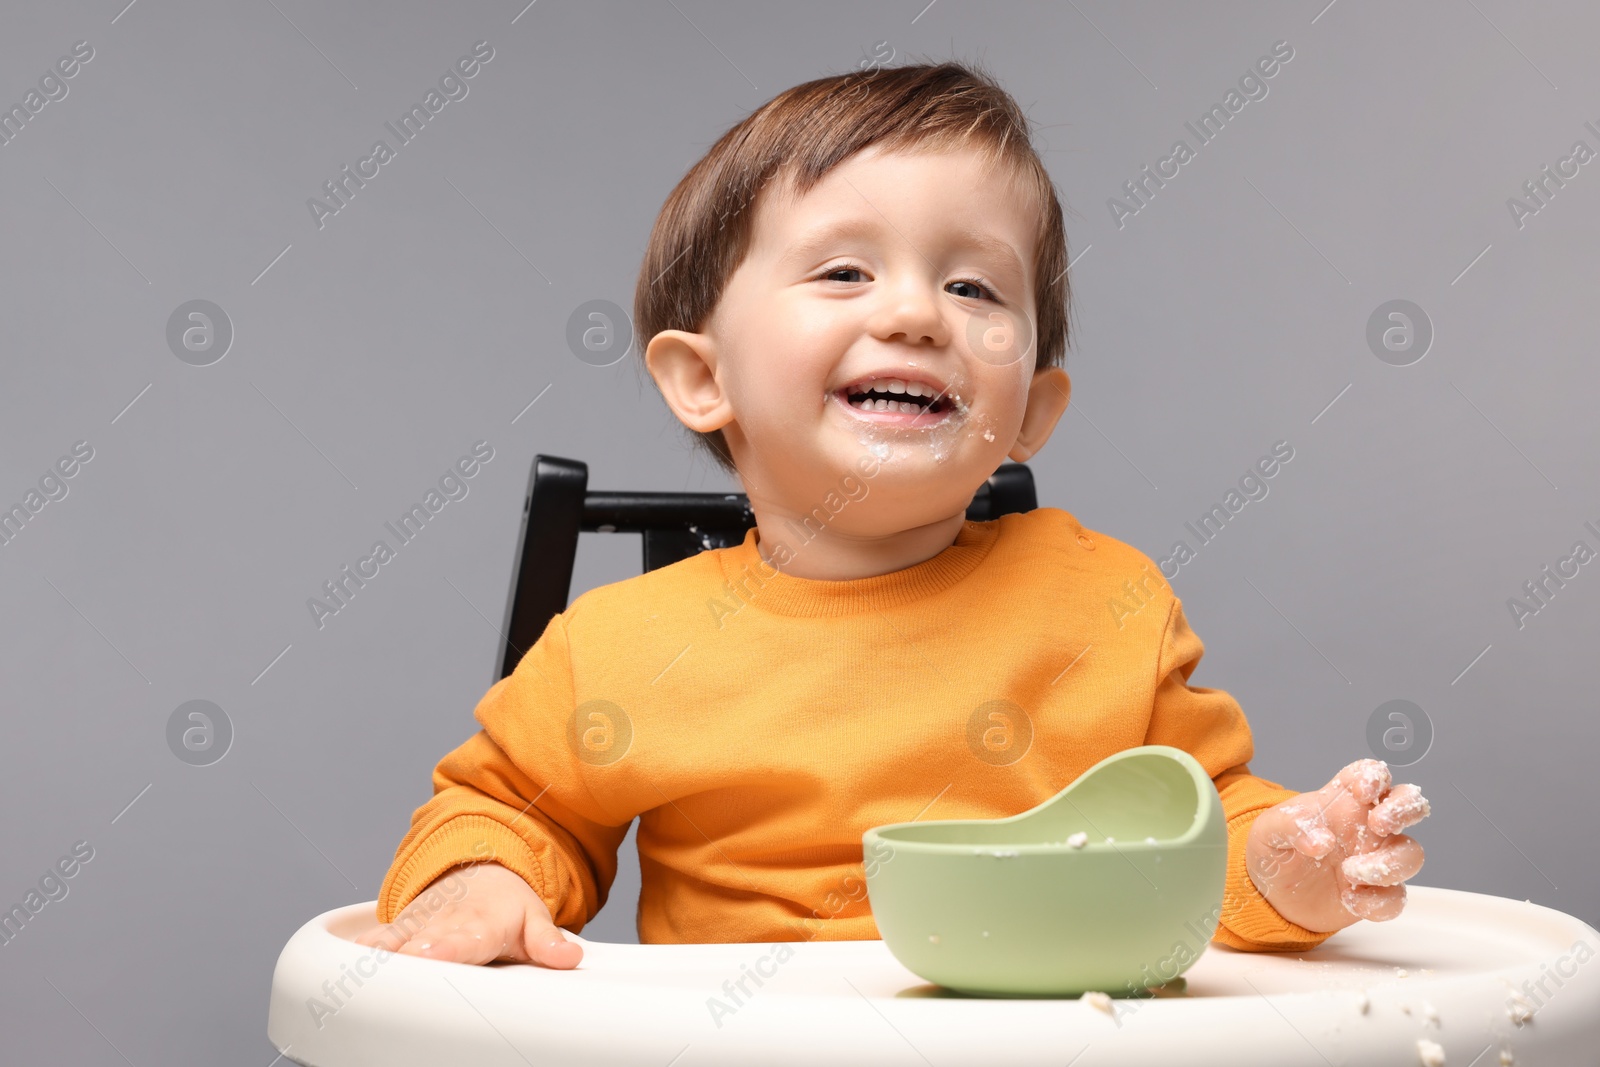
{"x":802,"y":134}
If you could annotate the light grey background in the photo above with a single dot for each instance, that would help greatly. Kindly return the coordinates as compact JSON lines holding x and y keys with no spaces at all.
{"x":1228,"y":314}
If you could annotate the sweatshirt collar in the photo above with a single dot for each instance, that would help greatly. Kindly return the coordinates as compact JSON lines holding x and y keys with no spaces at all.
{"x":754,"y":582}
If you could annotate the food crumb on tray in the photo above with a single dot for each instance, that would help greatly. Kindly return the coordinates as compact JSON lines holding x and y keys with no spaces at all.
{"x":1429,"y":1053}
{"x":1098,"y":1001}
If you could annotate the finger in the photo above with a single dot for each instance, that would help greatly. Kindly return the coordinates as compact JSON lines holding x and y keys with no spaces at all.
{"x":547,"y":946}
{"x":1365,"y":780}
{"x":414,"y":933}
{"x":1379,"y":903}
{"x":1404,"y":806}
{"x":468,"y":940}
{"x":1399,"y":858}
{"x":378,"y":936}
{"x":388,"y":936}
{"x":1307,"y":829}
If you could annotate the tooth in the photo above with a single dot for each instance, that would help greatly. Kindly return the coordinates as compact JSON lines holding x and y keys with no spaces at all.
{"x":904,"y":407}
{"x":896,"y":385}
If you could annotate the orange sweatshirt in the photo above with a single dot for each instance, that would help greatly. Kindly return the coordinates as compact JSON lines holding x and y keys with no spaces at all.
{"x":757,"y":724}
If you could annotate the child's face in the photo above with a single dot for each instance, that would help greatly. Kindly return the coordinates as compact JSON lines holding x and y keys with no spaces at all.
{"x":880,"y":270}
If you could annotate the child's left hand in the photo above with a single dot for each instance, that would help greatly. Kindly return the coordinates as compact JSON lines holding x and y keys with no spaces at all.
{"x":1328,"y":859}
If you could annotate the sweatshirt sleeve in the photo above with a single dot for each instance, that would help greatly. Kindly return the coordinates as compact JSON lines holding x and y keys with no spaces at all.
{"x":514,"y":793}
{"x":1210,"y":726}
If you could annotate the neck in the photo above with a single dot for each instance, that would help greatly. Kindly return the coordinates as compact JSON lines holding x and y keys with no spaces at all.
{"x":829,"y":554}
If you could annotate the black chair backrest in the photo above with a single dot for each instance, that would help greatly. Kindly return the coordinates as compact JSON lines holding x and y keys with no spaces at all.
{"x":559,"y":506}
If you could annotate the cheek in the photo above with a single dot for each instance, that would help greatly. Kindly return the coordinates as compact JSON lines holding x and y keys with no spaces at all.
{"x":1003,"y":401}
{"x":815,"y":336}
{"x":770,"y":396}
{"x":1006,"y":390}
{"x":784,"y":361}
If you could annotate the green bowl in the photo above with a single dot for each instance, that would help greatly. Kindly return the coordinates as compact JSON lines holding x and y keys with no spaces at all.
{"x":1008,"y":907}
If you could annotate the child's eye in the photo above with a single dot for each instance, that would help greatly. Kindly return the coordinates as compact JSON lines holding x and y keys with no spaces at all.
{"x":985,"y":291}
{"x":829,"y":275}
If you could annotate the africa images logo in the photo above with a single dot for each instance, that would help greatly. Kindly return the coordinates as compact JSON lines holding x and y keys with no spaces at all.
{"x":1252,"y":86}
{"x":343,"y":189}
{"x":342,"y":588}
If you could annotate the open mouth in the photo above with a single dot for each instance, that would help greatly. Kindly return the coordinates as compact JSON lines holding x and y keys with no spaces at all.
{"x":913,"y":402}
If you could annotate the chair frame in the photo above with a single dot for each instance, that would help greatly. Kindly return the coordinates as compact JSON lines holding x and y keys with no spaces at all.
{"x":559,"y":506}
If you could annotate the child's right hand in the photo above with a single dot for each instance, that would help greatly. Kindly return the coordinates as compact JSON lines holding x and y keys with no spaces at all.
{"x":499,"y":917}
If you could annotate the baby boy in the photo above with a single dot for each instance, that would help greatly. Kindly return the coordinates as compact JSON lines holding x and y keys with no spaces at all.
{"x":857,"y":301}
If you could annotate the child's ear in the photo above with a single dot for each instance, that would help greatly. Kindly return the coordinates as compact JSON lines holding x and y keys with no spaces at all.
{"x":684,"y":366}
{"x":1047,"y":400}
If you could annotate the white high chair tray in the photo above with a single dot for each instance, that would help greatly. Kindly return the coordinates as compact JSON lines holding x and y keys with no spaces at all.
{"x":844,"y":1002}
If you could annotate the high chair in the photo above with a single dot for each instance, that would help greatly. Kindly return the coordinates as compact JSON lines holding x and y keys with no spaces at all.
{"x":675,"y":526}
{"x":1458,"y":979}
